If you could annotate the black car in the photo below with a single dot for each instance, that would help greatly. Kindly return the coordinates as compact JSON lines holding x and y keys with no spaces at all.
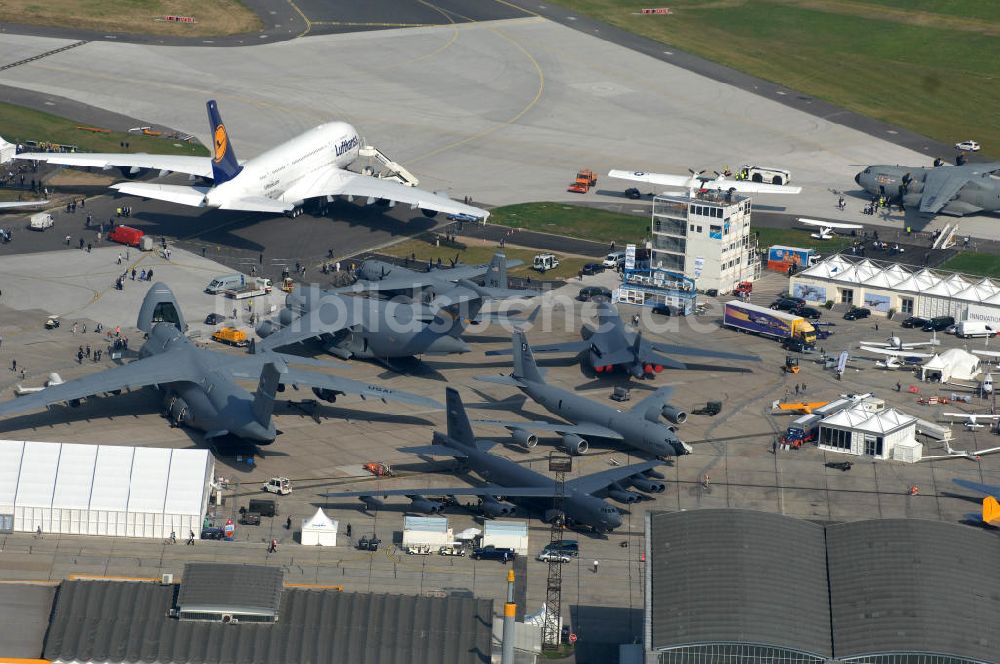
{"x":795,"y":345}
{"x":593,"y":268}
{"x":914,"y":321}
{"x":588,"y":293}
{"x":856,"y":313}
{"x":368,"y":544}
{"x":212,"y":534}
{"x":812,"y":313}
{"x":633,"y":193}
{"x":493,"y":553}
{"x":788,"y":303}
{"x":214,"y":319}
{"x":938,"y":324}
{"x":663,"y":309}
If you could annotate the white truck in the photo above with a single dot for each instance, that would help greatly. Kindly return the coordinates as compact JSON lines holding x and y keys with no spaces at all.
{"x":40,"y":221}
{"x":769,"y":174}
{"x":967,"y":329}
{"x":545,"y":262}
{"x":249,"y":288}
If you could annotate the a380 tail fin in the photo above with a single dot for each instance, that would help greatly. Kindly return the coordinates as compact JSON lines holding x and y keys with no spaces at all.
{"x":224,"y":163}
{"x":524,"y":362}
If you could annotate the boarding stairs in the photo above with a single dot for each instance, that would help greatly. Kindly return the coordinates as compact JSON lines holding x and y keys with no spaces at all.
{"x":386,"y":169}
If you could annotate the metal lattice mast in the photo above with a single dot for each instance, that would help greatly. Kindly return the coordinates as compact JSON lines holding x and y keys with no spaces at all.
{"x":559,"y":465}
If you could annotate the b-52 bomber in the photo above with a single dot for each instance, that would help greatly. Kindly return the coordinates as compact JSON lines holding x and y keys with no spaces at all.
{"x":386,"y":278}
{"x":199,"y":385}
{"x":639,"y":427}
{"x":954,"y":190}
{"x":582,"y":504}
{"x":349,"y":327}
{"x":611,"y":346}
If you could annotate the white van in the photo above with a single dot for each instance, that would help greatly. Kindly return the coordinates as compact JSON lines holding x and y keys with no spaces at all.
{"x":614,"y":259}
{"x":224,"y":283}
{"x":40,"y":221}
{"x":974,"y":328}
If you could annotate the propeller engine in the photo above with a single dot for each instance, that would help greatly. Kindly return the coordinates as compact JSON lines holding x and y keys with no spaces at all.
{"x":524,"y":438}
{"x":574,"y":444}
{"x":493,"y":508}
{"x":421,"y":504}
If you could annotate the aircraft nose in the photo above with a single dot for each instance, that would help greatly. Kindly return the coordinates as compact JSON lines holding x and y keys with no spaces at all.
{"x":448,"y":344}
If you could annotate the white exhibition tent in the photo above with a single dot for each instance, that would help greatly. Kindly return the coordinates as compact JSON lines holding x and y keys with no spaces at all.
{"x":954,"y":363}
{"x":7,"y":151}
{"x":102,"y":489}
{"x":319,"y":530}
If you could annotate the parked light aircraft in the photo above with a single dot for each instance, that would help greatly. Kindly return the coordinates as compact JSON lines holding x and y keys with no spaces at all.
{"x":697,"y":181}
{"x":952,"y":453}
{"x":827,"y":229}
{"x":895,"y":343}
{"x":280,"y":181}
{"x":54,"y":379}
{"x":990,"y":515}
{"x":972,"y":419}
{"x":639,"y":427}
{"x":954,"y":190}
{"x":899,"y":354}
{"x":509,"y":480}
{"x":199,"y":385}
{"x":611,"y":345}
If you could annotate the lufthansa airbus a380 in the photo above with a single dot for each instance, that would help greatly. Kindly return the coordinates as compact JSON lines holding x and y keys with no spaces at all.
{"x":310,"y":166}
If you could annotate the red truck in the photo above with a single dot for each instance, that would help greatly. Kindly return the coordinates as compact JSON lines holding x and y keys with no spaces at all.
{"x":126,"y":235}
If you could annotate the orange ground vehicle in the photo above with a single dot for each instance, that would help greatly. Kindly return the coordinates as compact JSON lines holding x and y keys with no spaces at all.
{"x":585,"y":179}
{"x":231,"y":336}
{"x":378,"y":469}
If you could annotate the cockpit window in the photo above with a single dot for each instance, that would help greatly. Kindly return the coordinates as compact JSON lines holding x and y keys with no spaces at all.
{"x":868,"y":171}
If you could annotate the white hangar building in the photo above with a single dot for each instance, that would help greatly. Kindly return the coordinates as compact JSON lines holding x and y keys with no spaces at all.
{"x":103,"y":489}
{"x":882,"y":287}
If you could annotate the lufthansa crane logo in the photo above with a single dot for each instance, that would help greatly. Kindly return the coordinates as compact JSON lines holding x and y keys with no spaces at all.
{"x":221,"y":142}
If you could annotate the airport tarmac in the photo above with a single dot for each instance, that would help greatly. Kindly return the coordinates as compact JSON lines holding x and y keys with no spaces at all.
{"x":734,"y":448}
{"x":525,"y":119}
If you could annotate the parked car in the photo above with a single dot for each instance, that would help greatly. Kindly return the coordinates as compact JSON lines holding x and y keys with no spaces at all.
{"x":811,"y":313}
{"x":795,"y":345}
{"x":663,"y":309}
{"x":788,"y":303}
{"x":493,"y":553}
{"x":914,"y":322}
{"x":614,"y":259}
{"x":212,"y":534}
{"x":214,"y":319}
{"x":593,"y":268}
{"x":938,"y":324}
{"x":589,"y":293}
{"x":548,"y":556}
{"x":633,"y":193}
{"x":967,"y":146}
{"x":569,"y":547}
{"x":856,"y":313}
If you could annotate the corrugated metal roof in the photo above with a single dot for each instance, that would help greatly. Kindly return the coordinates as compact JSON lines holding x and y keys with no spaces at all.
{"x":738,"y":575}
{"x":24,"y":615}
{"x":914,"y":585}
{"x":227,"y":588}
{"x":105,"y":621}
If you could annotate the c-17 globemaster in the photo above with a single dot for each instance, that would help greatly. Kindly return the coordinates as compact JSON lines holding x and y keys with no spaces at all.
{"x":639,"y":427}
{"x":510,"y":480}
{"x":199,"y":385}
{"x":954,"y":190}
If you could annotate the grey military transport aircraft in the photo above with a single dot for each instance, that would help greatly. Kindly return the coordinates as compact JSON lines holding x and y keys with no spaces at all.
{"x":639,"y":427}
{"x":386,"y":278}
{"x":954,"y":190}
{"x":612,"y":346}
{"x":582,"y":502}
{"x":199,"y":385}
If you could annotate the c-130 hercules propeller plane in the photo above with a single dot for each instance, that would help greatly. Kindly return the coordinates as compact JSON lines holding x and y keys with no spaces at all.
{"x":311,"y":166}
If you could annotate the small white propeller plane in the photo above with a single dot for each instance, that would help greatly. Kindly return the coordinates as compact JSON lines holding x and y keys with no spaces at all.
{"x":898,"y":354}
{"x":826,"y":229}
{"x":895,"y":343}
{"x":972,"y":419}
{"x":696,"y":180}
{"x":952,"y":453}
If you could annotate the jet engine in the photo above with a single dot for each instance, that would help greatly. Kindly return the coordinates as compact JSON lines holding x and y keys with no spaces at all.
{"x":574,"y":444}
{"x":286,"y":317}
{"x":178,"y":412}
{"x":267,"y":328}
{"x":132,"y":172}
{"x":421,"y":504}
{"x":554,"y":516}
{"x":523,"y":438}
{"x":325,"y":394}
{"x":430,"y":214}
{"x":74,"y":403}
{"x":624,"y":496}
{"x":674,"y":414}
{"x":653,"y":473}
{"x":493,"y":508}
{"x":649,"y":486}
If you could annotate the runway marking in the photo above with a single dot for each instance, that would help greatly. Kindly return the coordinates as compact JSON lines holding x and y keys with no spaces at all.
{"x":518,"y":7}
{"x":368,"y":24}
{"x":304,"y":18}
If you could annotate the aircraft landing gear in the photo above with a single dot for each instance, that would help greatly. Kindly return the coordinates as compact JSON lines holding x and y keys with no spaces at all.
{"x":294,"y":212}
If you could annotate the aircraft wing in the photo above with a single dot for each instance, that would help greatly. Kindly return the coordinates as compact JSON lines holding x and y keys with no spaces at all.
{"x":672,"y":349}
{"x":347,"y":386}
{"x":582,"y":429}
{"x":684,"y":181}
{"x":155,"y":370}
{"x":338,"y":182}
{"x":513,"y":492}
{"x":895,"y":353}
{"x":310,"y":325}
{"x":652,"y":178}
{"x":985,"y":489}
{"x":602,"y":480}
{"x":200,"y":166}
{"x":15,"y":205}
{"x":172,"y":193}
{"x":567,"y":347}
{"x":816,"y":223}
{"x":398,"y":283}
{"x":940,"y":186}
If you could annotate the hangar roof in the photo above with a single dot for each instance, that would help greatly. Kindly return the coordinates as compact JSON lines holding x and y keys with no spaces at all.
{"x":886,"y":585}
{"x":115,"y":621}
